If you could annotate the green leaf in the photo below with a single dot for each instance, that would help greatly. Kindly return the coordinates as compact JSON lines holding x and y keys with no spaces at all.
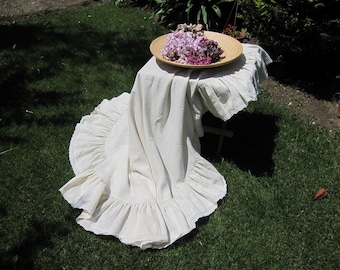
{"x":189,"y":7}
{"x":217,"y":11}
{"x":224,"y":1}
{"x":198,"y":16}
{"x":204,"y":15}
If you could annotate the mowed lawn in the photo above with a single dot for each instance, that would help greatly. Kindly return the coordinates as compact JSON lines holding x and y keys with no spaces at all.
{"x":58,"y":67}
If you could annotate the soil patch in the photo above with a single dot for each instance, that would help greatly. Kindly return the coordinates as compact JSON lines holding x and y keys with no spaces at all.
{"x":316,"y":111}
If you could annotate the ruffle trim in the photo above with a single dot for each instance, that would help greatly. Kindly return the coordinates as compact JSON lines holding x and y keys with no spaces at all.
{"x":237,"y":86}
{"x":146,"y":224}
{"x":87,"y":144}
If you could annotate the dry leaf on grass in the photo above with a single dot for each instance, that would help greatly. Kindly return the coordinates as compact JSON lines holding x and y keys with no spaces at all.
{"x":321,"y":193}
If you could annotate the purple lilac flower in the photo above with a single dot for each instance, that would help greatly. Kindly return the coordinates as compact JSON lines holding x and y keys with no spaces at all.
{"x":182,"y":47}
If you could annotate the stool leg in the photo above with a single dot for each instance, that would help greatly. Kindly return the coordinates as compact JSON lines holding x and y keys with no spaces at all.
{"x":220,"y":140}
{"x":221,"y":132}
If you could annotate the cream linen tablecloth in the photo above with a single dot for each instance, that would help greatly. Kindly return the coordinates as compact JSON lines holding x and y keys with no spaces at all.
{"x":138,"y":172}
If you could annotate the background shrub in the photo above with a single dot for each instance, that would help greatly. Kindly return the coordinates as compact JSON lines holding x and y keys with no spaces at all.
{"x":294,"y":25}
{"x":301,"y":35}
{"x":211,"y":13}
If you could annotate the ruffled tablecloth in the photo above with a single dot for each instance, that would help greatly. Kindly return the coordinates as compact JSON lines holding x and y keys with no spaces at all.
{"x":138,"y":172}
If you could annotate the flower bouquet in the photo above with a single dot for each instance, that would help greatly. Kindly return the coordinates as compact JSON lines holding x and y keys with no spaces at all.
{"x":189,"y":45}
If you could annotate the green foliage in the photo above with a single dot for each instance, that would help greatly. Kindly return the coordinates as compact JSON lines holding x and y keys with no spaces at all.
{"x":303,"y":36}
{"x":211,"y":13}
{"x":300,"y":26}
{"x":170,"y":12}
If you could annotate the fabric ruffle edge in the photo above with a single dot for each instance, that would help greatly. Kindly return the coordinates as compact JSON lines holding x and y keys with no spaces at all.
{"x":233,"y":91}
{"x":87,"y":144}
{"x":145,"y":224}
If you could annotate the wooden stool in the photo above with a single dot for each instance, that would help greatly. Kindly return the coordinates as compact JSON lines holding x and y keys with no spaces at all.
{"x":222,"y":132}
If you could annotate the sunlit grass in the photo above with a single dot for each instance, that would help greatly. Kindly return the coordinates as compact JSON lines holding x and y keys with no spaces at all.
{"x":57,"y":68}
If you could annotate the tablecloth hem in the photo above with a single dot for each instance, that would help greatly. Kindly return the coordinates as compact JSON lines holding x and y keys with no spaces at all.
{"x":167,"y":221}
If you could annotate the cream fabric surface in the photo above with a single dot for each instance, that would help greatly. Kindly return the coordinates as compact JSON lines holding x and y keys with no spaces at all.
{"x":138,"y":172}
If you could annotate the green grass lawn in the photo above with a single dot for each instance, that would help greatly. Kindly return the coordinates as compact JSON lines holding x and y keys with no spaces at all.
{"x":57,"y":68}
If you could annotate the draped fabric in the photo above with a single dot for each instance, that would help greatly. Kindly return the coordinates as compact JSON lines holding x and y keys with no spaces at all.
{"x":138,"y":171}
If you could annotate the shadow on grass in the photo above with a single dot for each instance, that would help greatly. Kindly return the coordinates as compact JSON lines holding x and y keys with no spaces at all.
{"x":38,"y":237}
{"x":252,"y":145}
{"x":34,"y":53}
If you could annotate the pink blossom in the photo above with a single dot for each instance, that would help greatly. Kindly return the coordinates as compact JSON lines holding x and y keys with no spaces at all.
{"x":182,"y":47}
